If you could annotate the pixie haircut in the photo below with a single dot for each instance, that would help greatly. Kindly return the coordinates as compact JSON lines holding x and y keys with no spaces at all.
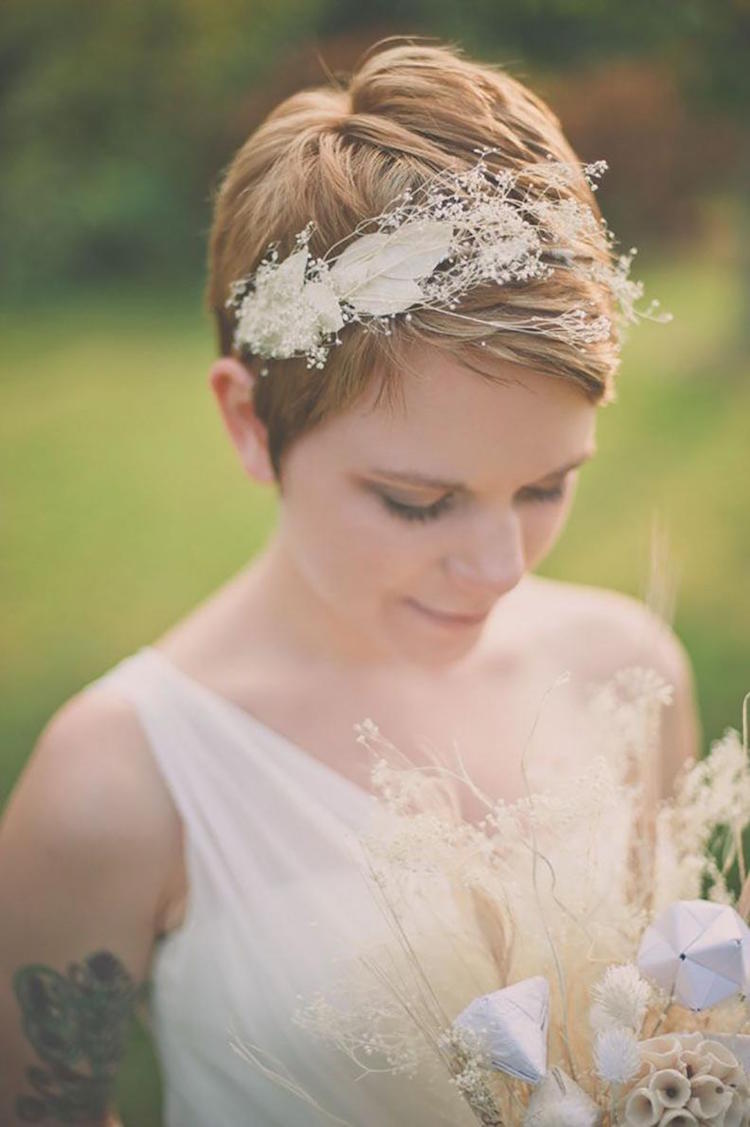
{"x":338,"y":155}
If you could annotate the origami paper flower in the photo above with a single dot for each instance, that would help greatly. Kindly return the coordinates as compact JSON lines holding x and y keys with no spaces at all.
{"x":512,"y":1024}
{"x":699,"y":951}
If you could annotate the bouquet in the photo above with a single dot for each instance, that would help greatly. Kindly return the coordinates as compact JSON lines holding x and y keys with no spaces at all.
{"x":578,"y":957}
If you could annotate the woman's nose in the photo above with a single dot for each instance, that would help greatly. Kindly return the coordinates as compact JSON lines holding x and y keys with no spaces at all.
{"x":492,"y":559}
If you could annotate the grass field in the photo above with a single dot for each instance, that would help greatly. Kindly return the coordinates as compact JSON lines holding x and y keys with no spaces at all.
{"x":123,"y":505}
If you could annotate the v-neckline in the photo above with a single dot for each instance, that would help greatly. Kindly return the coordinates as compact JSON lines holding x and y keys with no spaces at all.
{"x":234,"y":709}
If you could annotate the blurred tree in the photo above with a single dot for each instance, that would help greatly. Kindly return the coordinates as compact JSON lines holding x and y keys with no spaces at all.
{"x":110,"y":116}
{"x":116,"y":118}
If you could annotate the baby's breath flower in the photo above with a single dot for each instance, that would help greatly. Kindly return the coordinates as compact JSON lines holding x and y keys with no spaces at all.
{"x":429,"y":249}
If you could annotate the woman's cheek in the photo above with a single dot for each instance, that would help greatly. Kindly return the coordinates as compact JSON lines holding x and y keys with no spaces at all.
{"x":335,"y":545}
{"x":543,"y":529}
{"x":371,"y":545}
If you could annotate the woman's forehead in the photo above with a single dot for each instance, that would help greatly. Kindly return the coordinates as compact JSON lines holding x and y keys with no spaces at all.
{"x":450,"y":416}
{"x":432,"y":382}
{"x":455,"y":427}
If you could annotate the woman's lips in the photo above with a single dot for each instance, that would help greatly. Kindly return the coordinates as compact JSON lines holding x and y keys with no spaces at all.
{"x":448,"y":619}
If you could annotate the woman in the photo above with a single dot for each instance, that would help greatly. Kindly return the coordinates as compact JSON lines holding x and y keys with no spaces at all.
{"x":184,"y":820}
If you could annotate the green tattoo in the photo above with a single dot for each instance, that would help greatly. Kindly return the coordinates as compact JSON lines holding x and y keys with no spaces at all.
{"x":77,"y":1025}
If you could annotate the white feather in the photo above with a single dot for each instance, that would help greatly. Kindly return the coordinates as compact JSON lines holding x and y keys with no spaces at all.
{"x":377,"y":273}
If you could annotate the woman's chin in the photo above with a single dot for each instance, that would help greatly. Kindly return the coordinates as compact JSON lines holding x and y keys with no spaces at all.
{"x":430,"y":643}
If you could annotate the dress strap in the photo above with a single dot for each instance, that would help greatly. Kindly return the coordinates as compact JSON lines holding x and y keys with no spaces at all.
{"x":252,"y":805}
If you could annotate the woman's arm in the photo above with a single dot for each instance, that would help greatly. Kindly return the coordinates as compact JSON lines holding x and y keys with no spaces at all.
{"x":84,"y":860}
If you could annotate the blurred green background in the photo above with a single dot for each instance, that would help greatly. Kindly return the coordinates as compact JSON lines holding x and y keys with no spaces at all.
{"x":122,"y":503}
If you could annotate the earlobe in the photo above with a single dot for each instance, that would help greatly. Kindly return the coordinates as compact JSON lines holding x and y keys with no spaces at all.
{"x":232,"y":384}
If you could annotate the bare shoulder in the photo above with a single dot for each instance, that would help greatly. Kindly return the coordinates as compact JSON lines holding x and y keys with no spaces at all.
{"x":605,"y":630}
{"x":601,"y":631}
{"x":84,"y":863}
{"x":96,"y":743}
{"x":91,"y":789}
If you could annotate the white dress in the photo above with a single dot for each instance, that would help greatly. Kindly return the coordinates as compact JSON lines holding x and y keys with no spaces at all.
{"x":275,"y":897}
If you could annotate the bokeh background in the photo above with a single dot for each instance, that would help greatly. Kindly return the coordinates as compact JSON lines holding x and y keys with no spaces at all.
{"x":122,"y":503}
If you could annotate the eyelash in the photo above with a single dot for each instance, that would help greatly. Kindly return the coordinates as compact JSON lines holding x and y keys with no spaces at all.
{"x":433,"y":511}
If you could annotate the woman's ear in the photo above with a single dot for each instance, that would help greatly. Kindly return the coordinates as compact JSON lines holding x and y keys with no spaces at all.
{"x":232,"y":383}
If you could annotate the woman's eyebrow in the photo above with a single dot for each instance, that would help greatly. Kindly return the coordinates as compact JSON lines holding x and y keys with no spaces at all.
{"x":415,"y":478}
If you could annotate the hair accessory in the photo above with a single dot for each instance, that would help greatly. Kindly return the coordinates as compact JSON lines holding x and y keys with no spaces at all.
{"x":455,"y":232}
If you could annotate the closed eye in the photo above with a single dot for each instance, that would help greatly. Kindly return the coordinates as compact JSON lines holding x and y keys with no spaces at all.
{"x":433,"y":511}
{"x":537,"y":494}
{"x":416,"y":512}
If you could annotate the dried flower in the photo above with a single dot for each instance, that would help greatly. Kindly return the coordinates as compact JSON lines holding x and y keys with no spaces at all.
{"x":663,"y":1052}
{"x":642,"y":1108}
{"x":429,"y":248}
{"x":722,"y":1061}
{"x":692,"y":1079}
{"x":709,"y":1097}
{"x":617,"y":1057}
{"x":264,"y":322}
{"x":557,"y":1101}
{"x":712,"y":794}
{"x":670,"y":1087}
{"x":540,"y":888}
{"x":621,"y":998}
{"x":678,"y":1117}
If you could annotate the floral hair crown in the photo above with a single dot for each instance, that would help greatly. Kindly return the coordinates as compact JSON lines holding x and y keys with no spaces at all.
{"x":456,"y":231}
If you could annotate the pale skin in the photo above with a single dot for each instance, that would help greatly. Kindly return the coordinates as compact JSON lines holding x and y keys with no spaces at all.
{"x":319,"y":631}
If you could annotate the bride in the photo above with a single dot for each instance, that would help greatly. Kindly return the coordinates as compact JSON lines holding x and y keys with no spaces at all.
{"x":183,"y":820}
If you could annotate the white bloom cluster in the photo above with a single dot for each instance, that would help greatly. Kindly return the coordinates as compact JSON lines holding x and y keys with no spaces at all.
{"x":265,"y":323}
{"x":712,"y":804}
{"x":434,"y":245}
{"x":717,"y":790}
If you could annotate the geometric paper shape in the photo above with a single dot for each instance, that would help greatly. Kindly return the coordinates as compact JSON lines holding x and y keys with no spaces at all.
{"x":512,"y":1024}
{"x":699,"y":951}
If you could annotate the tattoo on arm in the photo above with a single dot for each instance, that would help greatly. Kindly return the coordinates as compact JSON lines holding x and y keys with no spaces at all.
{"x":77,"y":1024}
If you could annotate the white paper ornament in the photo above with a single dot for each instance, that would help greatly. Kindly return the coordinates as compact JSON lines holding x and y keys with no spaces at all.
{"x":698,"y":950}
{"x":512,"y":1024}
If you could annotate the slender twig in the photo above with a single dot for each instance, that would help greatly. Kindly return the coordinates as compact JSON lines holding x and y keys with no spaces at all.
{"x":740,"y":851}
{"x":663,"y":1014}
{"x":248,"y":1051}
{"x":562,"y":679}
{"x":392,"y":917}
{"x":430,"y":1037}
